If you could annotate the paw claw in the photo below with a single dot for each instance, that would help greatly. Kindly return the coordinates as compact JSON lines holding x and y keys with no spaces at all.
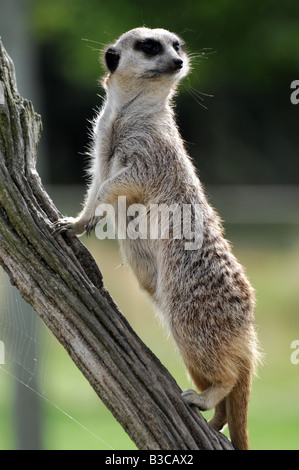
{"x":58,"y":227}
{"x":91,"y":224}
{"x":66,"y":224}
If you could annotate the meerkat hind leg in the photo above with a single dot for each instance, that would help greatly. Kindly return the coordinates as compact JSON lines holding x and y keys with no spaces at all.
{"x":219,"y":419}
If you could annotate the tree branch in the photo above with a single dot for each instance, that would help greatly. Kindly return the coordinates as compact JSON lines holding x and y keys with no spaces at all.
{"x":62,"y":282}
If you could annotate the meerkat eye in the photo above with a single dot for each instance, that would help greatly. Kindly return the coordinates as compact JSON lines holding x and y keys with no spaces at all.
{"x":149,"y":46}
{"x":176,"y":46}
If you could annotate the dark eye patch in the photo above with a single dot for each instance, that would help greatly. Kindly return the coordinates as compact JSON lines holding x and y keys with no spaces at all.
{"x":150,"y":47}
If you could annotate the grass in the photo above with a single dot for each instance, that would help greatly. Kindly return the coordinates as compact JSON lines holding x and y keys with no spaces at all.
{"x":270,"y":254}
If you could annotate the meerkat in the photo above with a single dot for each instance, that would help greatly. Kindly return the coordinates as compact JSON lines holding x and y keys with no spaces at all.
{"x":203,"y":294}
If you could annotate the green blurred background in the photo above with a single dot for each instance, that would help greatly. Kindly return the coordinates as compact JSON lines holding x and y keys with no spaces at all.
{"x":244,"y":142}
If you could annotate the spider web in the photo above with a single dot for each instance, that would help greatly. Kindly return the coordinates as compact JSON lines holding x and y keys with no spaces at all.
{"x":25,"y":345}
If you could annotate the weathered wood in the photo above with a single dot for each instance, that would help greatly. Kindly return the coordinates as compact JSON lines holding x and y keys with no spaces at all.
{"x":60,"y":279}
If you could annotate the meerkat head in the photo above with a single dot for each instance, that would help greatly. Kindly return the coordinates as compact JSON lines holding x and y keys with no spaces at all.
{"x":147,"y":55}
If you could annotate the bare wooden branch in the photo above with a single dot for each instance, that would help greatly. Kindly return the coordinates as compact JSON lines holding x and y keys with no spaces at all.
{"x":61,"y":280}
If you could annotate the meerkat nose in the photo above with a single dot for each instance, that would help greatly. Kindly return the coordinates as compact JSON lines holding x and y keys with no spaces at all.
{"x":178,"y":63}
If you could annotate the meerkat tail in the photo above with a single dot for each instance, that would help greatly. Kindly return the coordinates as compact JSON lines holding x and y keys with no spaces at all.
{"x":237,"y":411}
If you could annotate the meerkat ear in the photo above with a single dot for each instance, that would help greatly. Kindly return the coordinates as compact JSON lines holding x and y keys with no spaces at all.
{"x":112,"y":59}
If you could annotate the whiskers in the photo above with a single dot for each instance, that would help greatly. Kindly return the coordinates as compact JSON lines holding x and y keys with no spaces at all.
{"x":203,"y":53}
{"x":196,"y":57}
{"x":199,"y":96}
{"x":93,"y":45}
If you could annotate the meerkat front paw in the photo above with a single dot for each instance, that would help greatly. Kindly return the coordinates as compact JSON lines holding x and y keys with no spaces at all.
{"x":191,"y":397}
{"x":70,"y":225}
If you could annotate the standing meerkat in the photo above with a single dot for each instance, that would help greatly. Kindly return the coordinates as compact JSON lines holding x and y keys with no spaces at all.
{"x":202,"y":293}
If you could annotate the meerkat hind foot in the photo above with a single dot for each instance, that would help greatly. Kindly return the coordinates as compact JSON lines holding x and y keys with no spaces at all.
{"x":208,"y":399}
{"x":191,"y":397}
{"x":217,"y":425}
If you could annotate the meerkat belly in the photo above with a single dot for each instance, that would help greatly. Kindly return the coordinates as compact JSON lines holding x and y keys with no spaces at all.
{"x":139,"y":254}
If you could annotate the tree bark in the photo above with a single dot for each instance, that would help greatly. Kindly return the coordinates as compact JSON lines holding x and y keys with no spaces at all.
{"x":62,"y":282}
